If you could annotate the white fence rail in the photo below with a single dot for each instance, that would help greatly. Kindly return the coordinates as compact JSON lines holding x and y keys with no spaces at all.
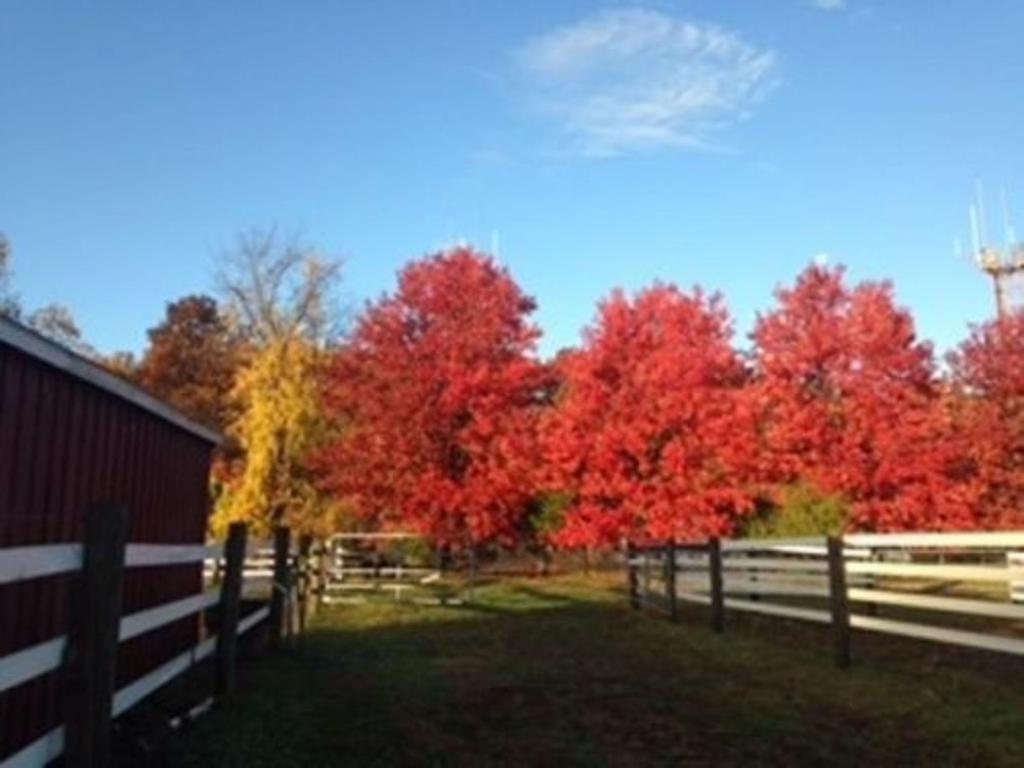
{"x":353,"y":573}
{"x":924,"y":581}
{"x":21,"y":564}
{"x":257,"y":570}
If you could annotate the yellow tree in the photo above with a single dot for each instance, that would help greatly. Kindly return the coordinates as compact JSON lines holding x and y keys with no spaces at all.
{"x":278,"y":294}
{"x":281,"y":424}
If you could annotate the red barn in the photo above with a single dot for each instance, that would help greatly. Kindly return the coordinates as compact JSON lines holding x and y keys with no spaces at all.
{"x":73,"y":435}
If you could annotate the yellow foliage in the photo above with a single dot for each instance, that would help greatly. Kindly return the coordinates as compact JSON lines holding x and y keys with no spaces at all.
{"x":281,"y":424}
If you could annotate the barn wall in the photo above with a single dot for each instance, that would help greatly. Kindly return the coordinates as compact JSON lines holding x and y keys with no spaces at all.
{"x":66,"y":445}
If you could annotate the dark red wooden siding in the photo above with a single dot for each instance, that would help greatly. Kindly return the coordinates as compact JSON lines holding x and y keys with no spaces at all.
{"x":64,"y":446}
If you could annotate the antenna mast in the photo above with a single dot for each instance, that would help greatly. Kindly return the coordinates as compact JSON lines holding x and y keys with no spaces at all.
{"x":1002,"y":265}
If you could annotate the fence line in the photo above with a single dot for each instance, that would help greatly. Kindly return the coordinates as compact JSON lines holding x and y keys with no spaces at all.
{"x":34,"y":562}
{"x":50,"y":746}
{"x":24,"y":563}
{"x":350,"y":575}
{"x":818,"y":579}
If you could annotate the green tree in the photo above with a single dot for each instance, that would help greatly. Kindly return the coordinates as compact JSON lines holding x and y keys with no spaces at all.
{"x":801,"y":510}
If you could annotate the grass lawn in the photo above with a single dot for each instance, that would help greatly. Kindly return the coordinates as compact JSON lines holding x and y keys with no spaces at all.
{"x":562,"y":672}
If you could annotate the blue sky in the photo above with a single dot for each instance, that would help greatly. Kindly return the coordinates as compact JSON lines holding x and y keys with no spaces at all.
{"x":601,"y":144}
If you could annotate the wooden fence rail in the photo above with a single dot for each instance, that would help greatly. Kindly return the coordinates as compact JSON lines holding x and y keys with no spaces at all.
{"x":842,"y":582}
{"x":88,"y":652}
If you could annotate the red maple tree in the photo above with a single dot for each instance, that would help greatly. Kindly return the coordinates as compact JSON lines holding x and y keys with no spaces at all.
{"x":436,"y":397}
{"x":988,"y":376}
{"x":650,"y":435}
{"x":849,"y":401}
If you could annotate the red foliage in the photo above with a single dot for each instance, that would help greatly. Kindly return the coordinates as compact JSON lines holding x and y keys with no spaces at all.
{"x":988,"y":371}
{"x":650,"y":434}
{"x":449,"y":425}
{"x":849,"y":401}
{"x":436,"y":396}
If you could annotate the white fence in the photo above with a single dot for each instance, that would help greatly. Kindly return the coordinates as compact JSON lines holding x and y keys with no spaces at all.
{"x":25,"y":563}
{"x":924,"y":581}
{"x":352,"y":574}
{"x":257,"y":571}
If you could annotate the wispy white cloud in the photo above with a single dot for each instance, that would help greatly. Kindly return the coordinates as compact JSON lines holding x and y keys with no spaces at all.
{"x":634,"y":79}
{"x":829,"y":5}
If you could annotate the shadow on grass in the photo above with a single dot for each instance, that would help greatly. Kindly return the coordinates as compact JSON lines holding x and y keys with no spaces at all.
{"x":561,"y":672}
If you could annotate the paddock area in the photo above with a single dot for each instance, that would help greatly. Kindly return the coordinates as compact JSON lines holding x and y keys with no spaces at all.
{"x":562,"y":671}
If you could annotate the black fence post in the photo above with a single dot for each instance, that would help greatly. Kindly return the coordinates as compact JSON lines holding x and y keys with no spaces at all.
{"x":230,"y":602}
{"x":280,"y":588}
{"x":838,"y":601}
{"x":717,"y":590}
{"x":869,"y":582}
{"x":324,"y":565}
{"x":305,"y":580}
{"x":633,"y":576}
{"x":93,"y":637}
{"x":670,"y":581}
{"x":645,"y":575}
{"x":472,"y":572}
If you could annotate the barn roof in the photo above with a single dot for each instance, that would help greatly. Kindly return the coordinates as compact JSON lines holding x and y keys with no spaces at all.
{"x":39,"y":347}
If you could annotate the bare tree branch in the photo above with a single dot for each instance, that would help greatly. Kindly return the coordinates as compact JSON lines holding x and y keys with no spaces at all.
{"x":278,"y":288}
{"x":56,"y":323}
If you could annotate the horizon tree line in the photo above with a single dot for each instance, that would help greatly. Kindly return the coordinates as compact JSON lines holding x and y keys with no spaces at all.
{"x":434,"y":412}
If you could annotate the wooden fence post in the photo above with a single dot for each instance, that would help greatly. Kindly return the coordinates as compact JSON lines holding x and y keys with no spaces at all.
{"x":633,"y":577}
{"x":670,"y":581}
{"x":870,"y":582}
{"x":838,"y":601}
{"x":322,"y":572}
{"x":93,"y":637}
{"x":230,"y":602}
{"x":472,"y":573}
{"x":280,"y":587}
{"x":305,"y":580}
{"x":717,"y":592}
{"x":292,"y":625}
{"x":645,"y":575}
